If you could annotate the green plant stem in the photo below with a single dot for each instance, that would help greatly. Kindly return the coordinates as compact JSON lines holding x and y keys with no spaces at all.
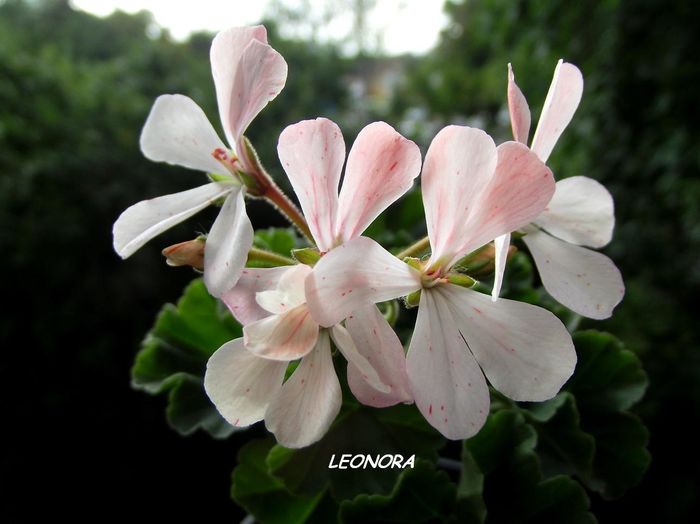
{"x":260,"y":255}
{"x":415,"y":249}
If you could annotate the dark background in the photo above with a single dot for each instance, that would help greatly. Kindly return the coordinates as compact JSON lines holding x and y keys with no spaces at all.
{"x":74,"y":93}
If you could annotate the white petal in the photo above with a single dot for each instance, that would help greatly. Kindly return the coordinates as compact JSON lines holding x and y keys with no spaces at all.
{"x":448,"y":386}
{"x":355,"y":274}
{"x":241,"y":299}
{"x":228,"y":243}
{"x":305,"y":407}
{"x":178,"y":132}
{"x":346,"y":345}
{"x":288,"y":336}
{"x":501,"y":244}
{"x":312,"y":153}
{"x":240,"y":384}
{"x":585,"y":281}
{"x":580,"y":212}
{"x":459,"y":165}
{"x":289,"y":292}
{"x":375,"y":339}
{"x":225,"y":56}
{"x":559,"y":107}
{"x":525,"y":351}
{"x":381,"y":167}
{"x":518,"y":109}
{"x":149,"y":218}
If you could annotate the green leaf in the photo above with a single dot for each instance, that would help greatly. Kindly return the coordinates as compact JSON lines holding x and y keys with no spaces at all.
{"x":277,"y":240}
{"x":174,"y":355}
{"x":608,"y":377}
{"x":514,"y":488}
{"x":267,"y":498}
{"x":422,"y":494}
{"x":395,"y":430}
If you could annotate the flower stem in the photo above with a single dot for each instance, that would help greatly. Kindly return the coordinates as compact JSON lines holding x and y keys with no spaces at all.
{"x":415,"y":249}
{"x":261,"y":184}
{"x":260,"y":257}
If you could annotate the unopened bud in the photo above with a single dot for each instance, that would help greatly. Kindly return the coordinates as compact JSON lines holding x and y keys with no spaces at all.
{"x":190,"y":253}
{"x":482,"y":262}
{"x":307,"y":255}
{"x":460,"y":279}
{"x":412,"y":299}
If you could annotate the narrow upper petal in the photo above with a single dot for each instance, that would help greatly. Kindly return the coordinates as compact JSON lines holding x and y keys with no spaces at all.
{"x":178,"y":132}
{"x":448,"y":386}
{"x":241,"y":300}
{"x":288,"y":293}
{"x":381,"y":167}
{"x":559,"y":107}
{"x":312,"y":153}
{"x":345,"y":344}
{"x":260,"y":77}
{"x":459,"y":165}
{"x":375,"y":339}
{"x":585,"y":281}
{"x":581,"y":212}
{"x":305,"y":407}
{"x":518,"y":109}
{"x":524,"y":350}
{"x":356,"y":274}
{"x":228,"y":243}
{"x":149,"y":218}
{"x":501,"y":244}
{"x":288,"y":336}
{"x":240,"y":384}
{"x":225,"y":54}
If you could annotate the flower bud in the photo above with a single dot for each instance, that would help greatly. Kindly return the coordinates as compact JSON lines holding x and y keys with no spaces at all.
{"x":307,"y":255}
{"x":412,"y":299}
{"x":189,"y":253}
{"x":482,"y":262}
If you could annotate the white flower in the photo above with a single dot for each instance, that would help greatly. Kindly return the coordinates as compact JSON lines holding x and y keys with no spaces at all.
{"x":580,"y":213}
{"x":472,"y":193}
{"x":248,"y":73}
{"x":271,"y":303}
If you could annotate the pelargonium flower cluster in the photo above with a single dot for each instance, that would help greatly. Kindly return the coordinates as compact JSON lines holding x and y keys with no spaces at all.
{"x":474,"y":193}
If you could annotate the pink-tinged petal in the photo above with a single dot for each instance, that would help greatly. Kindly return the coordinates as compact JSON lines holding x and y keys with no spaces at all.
{"x":375,"y":339}
{"x":559,"y":107}
{"x":225,"y":54}
{"x":149,"y":218}
{"x":581,"y":212}
{"x":305,"y":407}
{"x":448,"y":386}
{"x":288,"y":336}
{"x":228,"y":243}
{"x":289,"y":292}
{"x":518,"y":109}
{"x":240,"y":384}
{"x":501,"y":244}
{"x":381,"y":167}
{"x":585,"y":281}
{"x":241,"y":300}
{"x":524,"y":350}
{"x":312,"y":153}
{"x":178,"y":132}
{"x":519,"y":190}
{"x":345,"y":344}
{"x":260,"y":77}
{"x":458,"y":167}
{"x":356,"y":274}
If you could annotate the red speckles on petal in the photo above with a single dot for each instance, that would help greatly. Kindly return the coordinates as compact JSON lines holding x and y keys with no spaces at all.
{"x":430,"y":409}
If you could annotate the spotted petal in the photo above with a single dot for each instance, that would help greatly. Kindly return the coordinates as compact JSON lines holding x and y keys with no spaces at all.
{"x":288,"y":336}
{"x":241,"y":300}
{"x":240,"y":384}
{"x":585,"y":281}
{"x":381,"y":167}
{"x":149,"y":218}
{"x":303,"y":410}
{"x":518,"y":109}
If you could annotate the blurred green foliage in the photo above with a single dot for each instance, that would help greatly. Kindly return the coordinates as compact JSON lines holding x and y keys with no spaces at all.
{"x":75,"y":91}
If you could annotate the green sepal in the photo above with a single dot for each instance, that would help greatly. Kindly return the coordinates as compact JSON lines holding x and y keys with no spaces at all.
{"x":307,"y":255}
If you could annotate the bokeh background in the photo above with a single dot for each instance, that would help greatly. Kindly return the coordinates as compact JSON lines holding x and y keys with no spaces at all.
{"x":74,"y":92}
